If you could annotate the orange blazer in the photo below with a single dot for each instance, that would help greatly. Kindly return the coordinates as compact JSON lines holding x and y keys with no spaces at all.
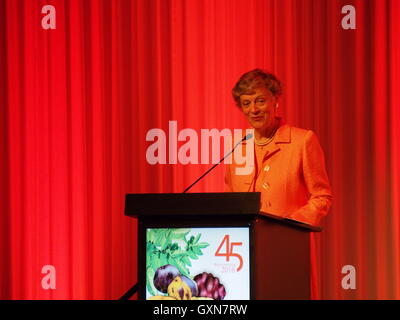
{"x":292,"y":177}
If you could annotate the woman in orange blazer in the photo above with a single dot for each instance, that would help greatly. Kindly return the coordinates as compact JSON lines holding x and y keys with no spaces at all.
{"x":289,"y":166}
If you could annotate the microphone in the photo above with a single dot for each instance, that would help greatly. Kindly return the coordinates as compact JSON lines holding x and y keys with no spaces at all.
{"x":247,"y":137}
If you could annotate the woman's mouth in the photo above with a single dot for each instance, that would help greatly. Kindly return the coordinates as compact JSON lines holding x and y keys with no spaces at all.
{"x":258,"y":118}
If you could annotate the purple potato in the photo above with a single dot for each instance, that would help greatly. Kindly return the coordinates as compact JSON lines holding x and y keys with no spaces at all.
{"x":164,"y":276}
{"x":192,"y":285}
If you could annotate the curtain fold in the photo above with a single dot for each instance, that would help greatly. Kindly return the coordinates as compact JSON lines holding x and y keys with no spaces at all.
{"x":78,"y":101}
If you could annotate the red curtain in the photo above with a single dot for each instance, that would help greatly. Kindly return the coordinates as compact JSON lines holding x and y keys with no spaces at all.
{"x":77,"y":102}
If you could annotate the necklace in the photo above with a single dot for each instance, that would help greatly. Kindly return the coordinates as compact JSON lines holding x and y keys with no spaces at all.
{"x":265,"y":141}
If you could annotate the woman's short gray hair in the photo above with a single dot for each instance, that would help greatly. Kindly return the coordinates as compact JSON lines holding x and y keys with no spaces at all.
{"x":254,"y":79}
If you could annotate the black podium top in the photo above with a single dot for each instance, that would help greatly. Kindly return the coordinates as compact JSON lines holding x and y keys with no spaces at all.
{"x":223,"y":203}
{"x":243,"y":204}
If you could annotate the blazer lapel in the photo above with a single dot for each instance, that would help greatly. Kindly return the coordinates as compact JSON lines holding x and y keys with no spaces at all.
{"x":282,"y":136}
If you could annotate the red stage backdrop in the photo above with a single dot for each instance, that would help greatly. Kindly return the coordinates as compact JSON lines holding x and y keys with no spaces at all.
{"x":77,"y":101}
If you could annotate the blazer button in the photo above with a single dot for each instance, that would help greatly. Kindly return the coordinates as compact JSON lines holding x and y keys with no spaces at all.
{"x":265,"y":185}
{"x":267,"y":167}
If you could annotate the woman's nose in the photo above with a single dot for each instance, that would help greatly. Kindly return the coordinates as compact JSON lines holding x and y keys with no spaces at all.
{"x":254,"y":107}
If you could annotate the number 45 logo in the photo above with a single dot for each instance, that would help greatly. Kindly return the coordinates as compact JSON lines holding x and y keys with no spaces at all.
{"x":229,"y":251}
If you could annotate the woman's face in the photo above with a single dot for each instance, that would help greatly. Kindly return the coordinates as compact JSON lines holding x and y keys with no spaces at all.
{"x":259,"y":108}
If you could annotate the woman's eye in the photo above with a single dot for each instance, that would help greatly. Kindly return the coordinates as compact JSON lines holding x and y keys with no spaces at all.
{"x":245,"y":103}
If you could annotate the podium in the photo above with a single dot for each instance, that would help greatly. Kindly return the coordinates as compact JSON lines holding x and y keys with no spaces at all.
{"x":272,"y":257}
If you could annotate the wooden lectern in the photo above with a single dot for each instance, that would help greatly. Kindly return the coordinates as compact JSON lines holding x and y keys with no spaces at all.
{"x":279,"y":247}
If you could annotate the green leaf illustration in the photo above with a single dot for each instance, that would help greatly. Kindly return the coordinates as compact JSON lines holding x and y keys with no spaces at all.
{"x":165,"y":241}
{"x":186,"y":260}
{"x":202,"y":245}
{"x":163,"y":260}
{"x":155,"y":262}
{"x":197,"y":238}
{"x":179,"y":253}
{"x":162,"y":237}
{"x":180,"y":265}
{"x":150,"y":236}
{"x":149,"y":281}
{"x":192,"y":255}
{"x":179,"y":234}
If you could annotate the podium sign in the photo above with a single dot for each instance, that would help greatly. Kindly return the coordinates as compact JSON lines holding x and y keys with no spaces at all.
{"x":203,"y":255}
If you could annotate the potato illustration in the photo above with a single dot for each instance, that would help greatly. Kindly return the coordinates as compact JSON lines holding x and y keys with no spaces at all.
{"x":164,"y":276}
{"x":179,"y":290}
